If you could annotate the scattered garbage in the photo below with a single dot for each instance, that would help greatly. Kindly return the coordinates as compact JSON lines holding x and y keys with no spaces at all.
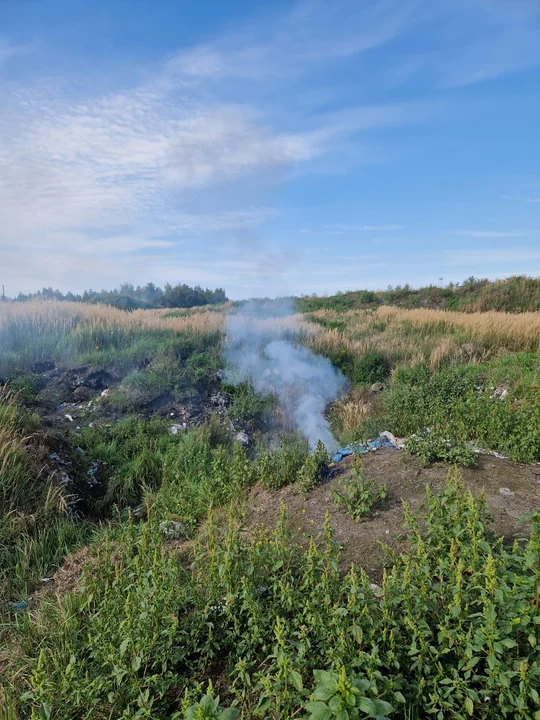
{"x":46,"y":580}
{"x":20,"y":605}
{"x":221,"y":399}
{"x":175,"y":429}
{"x":105,"y":392}
{"x":242,"y":437}
{"x":173,"y":530}
{"x":69,"y":417}
{"x":500,"y":393}
{"x":55,"y":457}
{"x":377,"y":387}
{"x":483,"y":451}
{"x":92,"y":473}
{"x":506,"y":492}
{"x":385,"y":439}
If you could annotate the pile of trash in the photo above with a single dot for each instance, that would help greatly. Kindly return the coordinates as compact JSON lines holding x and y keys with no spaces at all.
{"x":385,"y":440}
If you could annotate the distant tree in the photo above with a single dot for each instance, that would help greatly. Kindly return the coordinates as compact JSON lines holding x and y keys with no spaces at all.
{"x":129,"y":297}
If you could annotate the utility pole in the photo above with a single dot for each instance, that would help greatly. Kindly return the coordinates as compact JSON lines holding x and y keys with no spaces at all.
{"x":3,"y":293}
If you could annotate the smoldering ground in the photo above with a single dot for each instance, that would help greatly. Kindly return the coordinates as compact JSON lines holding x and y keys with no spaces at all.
{"x":262,"y":347}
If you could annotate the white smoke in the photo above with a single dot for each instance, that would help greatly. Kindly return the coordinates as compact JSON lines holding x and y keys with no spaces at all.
{"x":261,"y":347}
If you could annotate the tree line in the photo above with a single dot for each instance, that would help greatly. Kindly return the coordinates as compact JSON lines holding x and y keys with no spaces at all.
{"x":129,"y":297}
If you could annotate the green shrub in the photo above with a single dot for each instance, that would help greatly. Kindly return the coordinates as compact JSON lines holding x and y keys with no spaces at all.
{"x":459,"y":405}
{"x":208,"y":708}
{"x":371,"y":367}
{"x":339,"y":696}
{"x":25,"y":387}
{"x":247,"y":405}
{"x":433,"y":445}
{"x":358,"y":495}
{"x":276,"y":468}
{"x":314,"y":468}
{"x":451,"y":633}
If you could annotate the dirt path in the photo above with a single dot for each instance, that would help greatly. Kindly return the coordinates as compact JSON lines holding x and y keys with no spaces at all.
{"x":406,"y":480}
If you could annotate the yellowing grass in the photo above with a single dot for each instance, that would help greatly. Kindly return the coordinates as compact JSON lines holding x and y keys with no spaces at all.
{"x":431,"y":336}
{"x":54,"y":315}
{"x":513,"y":331}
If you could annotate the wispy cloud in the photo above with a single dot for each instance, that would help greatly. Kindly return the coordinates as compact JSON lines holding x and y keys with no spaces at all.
{"x":520,"y":198}
{"x":486,"y":39}
{"x":491,"y":233}
{"x":490,"y":256}
{"x":9,"y":51}
{"x":344,"y":229}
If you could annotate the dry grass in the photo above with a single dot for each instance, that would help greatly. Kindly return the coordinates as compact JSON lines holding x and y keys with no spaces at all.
{"x":431,"y":336}
{"x":518,"y":332}
{"x":353,"y":411}
{"x":52,"y":316}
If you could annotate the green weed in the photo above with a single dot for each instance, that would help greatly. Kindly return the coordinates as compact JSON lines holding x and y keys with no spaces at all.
{"x":358,"y":495}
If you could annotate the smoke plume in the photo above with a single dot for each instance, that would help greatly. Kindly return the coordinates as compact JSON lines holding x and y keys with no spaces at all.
{"x":261,"y":347}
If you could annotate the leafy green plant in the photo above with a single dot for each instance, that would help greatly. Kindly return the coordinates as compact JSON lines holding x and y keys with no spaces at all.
{"x":358,"y":495}
{"x":432,"y":446}
{"x":208,"y":708}
{"x":25,"y":387}
{"x":344,"y":698}
{"x":314,"y":468}
{"x":275,"y":469}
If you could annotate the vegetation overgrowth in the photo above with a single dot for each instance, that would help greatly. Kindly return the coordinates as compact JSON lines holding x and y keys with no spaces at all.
{"x":515,"y":294}
{"x":452,"y":631}
{"x":184,"y":610}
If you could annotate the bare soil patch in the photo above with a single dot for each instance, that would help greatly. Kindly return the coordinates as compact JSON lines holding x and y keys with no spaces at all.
{"x":406,"y":481}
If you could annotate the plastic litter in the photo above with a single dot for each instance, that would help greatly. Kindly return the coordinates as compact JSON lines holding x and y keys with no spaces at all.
{"x":506,"y":492}
{"x":175,"y":429}
{"x":20,"y":605}
{"x":69,"y":417}
{"x":385,"y":439}
{"x":242,"y":437}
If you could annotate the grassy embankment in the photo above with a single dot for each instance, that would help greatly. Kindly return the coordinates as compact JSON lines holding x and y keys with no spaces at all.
{"x":159,"y":626}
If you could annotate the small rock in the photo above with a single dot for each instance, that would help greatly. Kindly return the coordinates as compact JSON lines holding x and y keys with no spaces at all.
{"x":506,"y":492}
{"x":173,"y":530}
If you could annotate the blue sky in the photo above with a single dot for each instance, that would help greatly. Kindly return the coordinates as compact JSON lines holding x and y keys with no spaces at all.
{"x":270,"y":148}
